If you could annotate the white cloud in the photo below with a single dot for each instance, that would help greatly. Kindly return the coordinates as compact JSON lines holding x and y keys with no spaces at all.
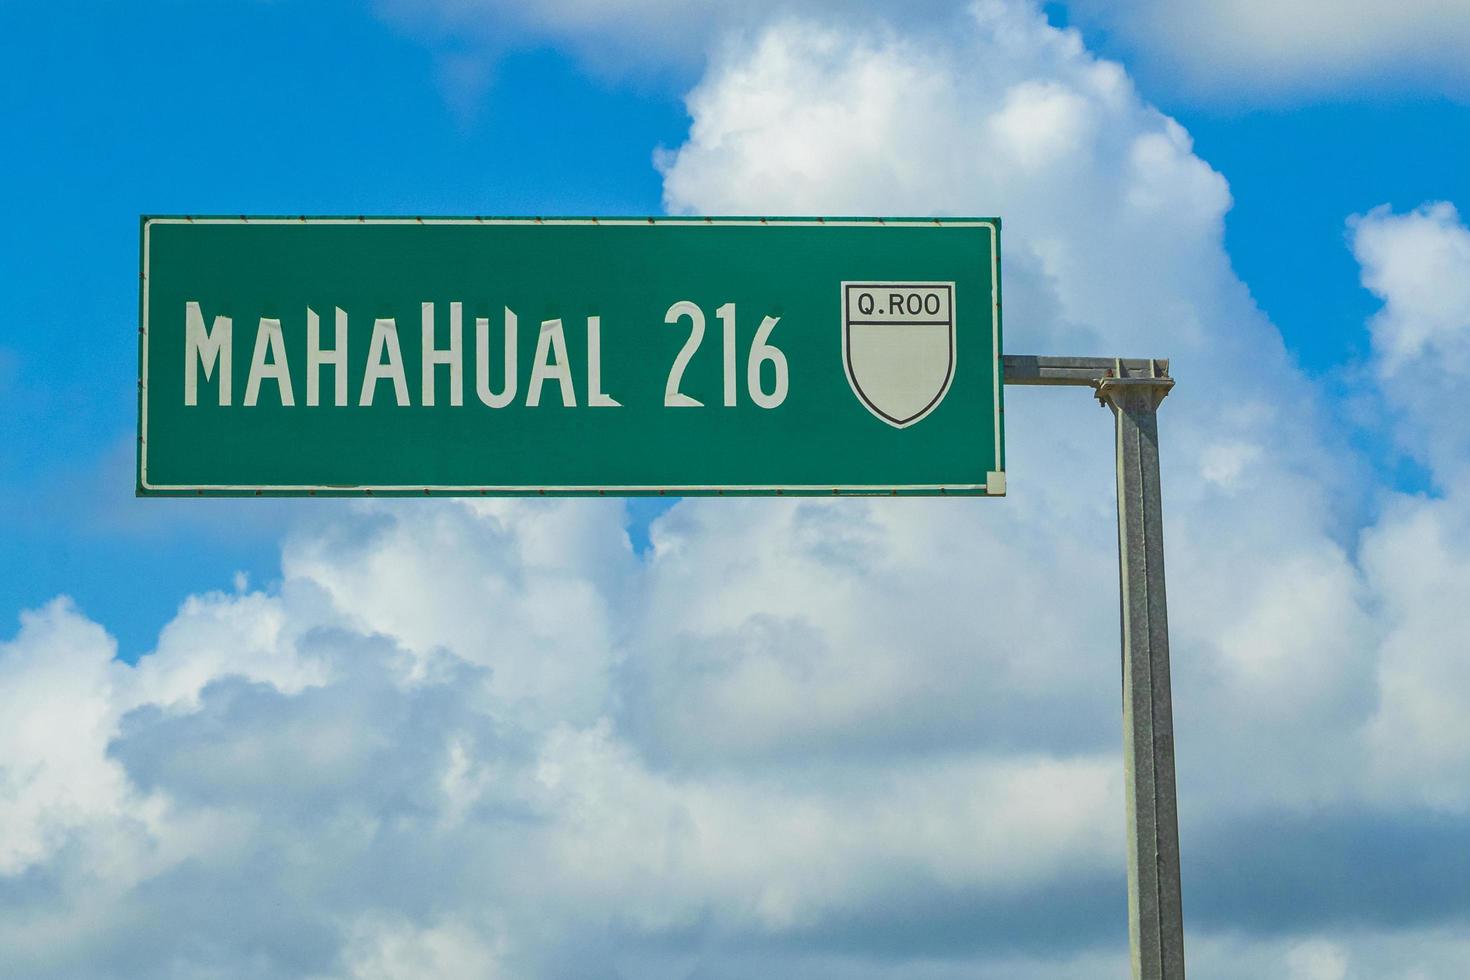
{"x":58,"y":702}
{"x":1419,"y":561}
{"x":391,"y":820}
{"x":873,"y":738}
{"x":1409,"y":954}
{"x":1250,"y":49}
{"x":1419,"y":264}
{"x":1317,"y":960}
{"x":398,"y":950}
{"x":530,"y":596}
{"x":1418,"y":556}
{"x":1113,"y":245}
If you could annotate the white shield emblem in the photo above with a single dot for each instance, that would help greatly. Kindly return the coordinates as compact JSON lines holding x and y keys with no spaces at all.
{"x":898,"y":346}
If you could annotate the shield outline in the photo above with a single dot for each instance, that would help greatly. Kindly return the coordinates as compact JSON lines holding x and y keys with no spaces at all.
{"x":953,"y":350}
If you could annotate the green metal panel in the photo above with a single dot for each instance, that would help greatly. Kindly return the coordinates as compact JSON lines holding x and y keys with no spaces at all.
{"x":823,"y":437}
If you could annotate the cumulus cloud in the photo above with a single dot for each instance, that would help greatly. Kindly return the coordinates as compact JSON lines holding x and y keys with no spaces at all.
{"x":871,"y":738}
{"x":58,"y":704}
{"x":352,"y":804}
{"x":1419,"y":265}
{"x":1113,"y":245}
{"x":1253,"y":49}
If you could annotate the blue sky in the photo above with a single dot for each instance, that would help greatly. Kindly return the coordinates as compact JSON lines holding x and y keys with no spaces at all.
{"x":1315,"y":600}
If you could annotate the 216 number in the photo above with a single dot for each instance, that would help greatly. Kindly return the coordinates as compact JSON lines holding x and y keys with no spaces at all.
{"x":760,"y":352}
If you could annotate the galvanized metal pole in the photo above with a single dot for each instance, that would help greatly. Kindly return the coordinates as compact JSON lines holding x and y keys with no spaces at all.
{"x":1133,"y":390}
{"x":1155,"y":909}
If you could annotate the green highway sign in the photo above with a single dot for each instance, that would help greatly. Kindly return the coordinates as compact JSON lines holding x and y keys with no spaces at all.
{"x":286,"y":356}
